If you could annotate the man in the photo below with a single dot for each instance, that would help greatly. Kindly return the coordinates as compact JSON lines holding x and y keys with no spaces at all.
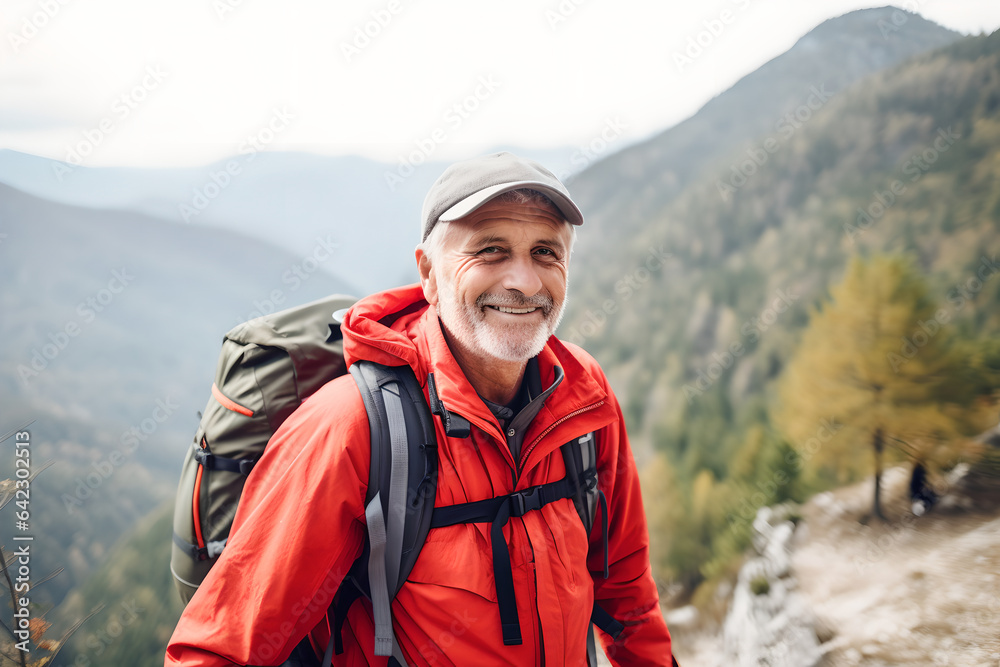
{"x":493,"y":265}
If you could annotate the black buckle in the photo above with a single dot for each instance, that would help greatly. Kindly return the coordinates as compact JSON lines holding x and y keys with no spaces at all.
{"x":246,"y":465}
{"x":523,"y":502}
{"x":203,"y":457}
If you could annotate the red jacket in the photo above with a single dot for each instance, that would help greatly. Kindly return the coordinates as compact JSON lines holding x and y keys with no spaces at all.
{"x":300,"y":525}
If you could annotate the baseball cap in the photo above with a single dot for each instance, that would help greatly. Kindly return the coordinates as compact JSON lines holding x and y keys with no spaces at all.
{"x":467,"y":185}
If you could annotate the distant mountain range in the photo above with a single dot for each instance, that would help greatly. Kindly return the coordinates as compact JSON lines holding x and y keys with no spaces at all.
{"x":112,"y":323}
{"x":113,"y":305}
{"x":369,"y":209}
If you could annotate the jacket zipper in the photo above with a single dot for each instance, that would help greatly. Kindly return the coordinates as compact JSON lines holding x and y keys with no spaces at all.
{"x":527,"y":451}
{"x":515,"y":475}
{"x":534,"y":570}
{"x":538,"y":617}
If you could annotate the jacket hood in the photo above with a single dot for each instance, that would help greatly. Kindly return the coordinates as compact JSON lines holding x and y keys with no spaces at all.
{"x":381,"y":328}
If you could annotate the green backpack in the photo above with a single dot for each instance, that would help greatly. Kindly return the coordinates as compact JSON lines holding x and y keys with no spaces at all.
{"x":267,"y":367}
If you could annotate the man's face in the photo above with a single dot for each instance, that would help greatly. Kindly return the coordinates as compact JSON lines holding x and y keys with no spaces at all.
{"x":498,"y":278}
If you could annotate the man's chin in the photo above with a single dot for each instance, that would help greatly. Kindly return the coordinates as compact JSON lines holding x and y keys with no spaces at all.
{"x":512,"y":347}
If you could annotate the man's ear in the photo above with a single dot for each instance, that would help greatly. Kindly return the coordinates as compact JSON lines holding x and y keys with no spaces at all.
{"x":428,"y":281}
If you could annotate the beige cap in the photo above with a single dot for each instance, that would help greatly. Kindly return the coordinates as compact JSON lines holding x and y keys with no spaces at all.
{"x":467,"y":185}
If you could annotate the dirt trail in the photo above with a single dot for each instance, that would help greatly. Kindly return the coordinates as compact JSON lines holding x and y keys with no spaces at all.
{"x":913,"y":591}
{"x":921,"y":591}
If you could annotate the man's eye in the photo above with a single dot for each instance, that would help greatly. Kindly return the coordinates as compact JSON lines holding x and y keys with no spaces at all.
{"x":545,"y":251}
{"x":491,"y":250}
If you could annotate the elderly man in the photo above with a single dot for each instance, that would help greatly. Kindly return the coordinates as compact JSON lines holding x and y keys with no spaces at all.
{"x":493,"y":265}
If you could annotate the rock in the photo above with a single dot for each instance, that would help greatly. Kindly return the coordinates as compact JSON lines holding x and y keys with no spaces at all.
{"x":769,"y":622}
{"x":682,"y":617}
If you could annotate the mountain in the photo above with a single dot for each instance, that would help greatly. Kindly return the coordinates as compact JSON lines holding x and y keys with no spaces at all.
{"x":286,"y":199}
{"x":757,"y":231}
{"x":620,"y":193}
{"x":695,"y":308}
{"x":112,"y":325}
{"x":138,"y":604}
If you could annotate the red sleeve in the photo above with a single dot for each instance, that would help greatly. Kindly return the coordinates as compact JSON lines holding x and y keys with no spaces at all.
{"x":629,"y":593}
{"x":298,"y":529}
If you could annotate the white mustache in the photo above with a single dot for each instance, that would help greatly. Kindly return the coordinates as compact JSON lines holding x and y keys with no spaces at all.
{"x":516,"y":299}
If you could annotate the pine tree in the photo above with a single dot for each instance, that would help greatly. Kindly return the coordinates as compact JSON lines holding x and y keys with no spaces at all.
{"x":874,"y":369}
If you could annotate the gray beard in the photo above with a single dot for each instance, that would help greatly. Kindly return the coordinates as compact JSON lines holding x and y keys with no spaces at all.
{"x":513,"y":342}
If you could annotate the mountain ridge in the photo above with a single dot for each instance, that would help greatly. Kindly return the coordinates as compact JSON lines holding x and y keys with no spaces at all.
{"x":678,"y":154}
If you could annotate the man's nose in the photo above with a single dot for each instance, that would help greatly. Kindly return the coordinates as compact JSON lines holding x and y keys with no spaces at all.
{"x":521,"y":274}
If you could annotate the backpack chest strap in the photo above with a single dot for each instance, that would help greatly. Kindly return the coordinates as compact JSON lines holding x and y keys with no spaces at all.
{"x":497,"y":512}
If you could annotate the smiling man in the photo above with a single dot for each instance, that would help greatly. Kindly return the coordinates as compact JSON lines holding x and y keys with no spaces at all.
{"x":494,"y":260}
{"x":498,"y":279}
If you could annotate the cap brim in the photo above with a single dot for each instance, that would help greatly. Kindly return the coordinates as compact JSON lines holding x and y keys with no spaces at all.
{"x":472,"y":202}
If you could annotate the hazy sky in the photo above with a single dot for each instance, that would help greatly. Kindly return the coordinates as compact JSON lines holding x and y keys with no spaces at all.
{"x":128,"y":82}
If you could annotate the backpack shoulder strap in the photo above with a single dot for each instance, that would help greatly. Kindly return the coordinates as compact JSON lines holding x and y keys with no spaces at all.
{"x":580,"y":456}
{"x":401,"y":485}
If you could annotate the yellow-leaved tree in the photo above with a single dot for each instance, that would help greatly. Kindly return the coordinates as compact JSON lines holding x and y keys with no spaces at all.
{"x":876,"y":370}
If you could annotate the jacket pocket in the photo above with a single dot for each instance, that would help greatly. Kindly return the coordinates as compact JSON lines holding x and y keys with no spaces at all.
{"x":459,"y":563}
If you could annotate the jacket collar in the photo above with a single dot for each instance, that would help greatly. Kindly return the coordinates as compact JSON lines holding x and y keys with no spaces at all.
{"x":569,"y":388}
{"x":398,"y":327}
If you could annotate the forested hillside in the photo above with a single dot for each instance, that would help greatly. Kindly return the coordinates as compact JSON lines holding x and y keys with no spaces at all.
{"x":112,"y":323}
{"x":134,"y":598}
{"x":906,"y":162}
{"x":621,"y":194}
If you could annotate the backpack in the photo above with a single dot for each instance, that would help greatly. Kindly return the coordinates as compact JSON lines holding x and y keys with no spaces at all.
{"x":267,"y":367}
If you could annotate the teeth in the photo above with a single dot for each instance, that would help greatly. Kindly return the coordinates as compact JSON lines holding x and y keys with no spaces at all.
{"x":514,"y":311}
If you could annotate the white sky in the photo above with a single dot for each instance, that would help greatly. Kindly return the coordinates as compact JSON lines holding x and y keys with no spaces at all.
{"x":226,"y":65}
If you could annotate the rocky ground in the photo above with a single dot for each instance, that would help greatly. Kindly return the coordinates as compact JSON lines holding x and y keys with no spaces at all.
{"x":848,"y":590}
